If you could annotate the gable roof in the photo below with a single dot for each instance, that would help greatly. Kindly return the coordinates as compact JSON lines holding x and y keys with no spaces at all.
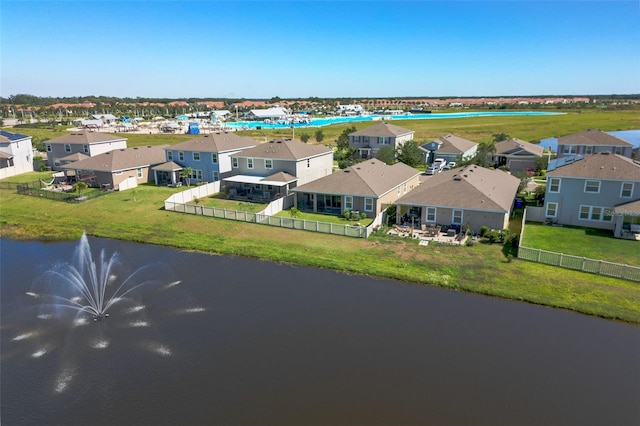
{"x":121,"y":159}
{"x":85,"y":137}
{"x":371,"y":178}
{"x":592,"y":137}
{"x":603,"y":165}
{"x":382,"y":129}
{"x":215,"y":142}
{"x":452,"y":144}
{"x":469,"y":187}
{"x":11,"y":137}
{"x":630,"y":207}
{"x":281,"y":177}
{"x":169,"y":166}
{"x":77,"y":156}
{"x":515,"y":146}
{"x":285,"y":149}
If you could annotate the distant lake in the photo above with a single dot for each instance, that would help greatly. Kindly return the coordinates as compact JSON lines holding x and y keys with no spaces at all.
{"x":631,"y":136}
{"x":241,"y":341}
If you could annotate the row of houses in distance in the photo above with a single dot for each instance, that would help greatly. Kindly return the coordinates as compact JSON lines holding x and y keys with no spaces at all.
{"x":596,"y":184}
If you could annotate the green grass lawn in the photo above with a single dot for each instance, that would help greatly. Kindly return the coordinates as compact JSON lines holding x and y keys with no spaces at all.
{"x":223,"y":203}
{"x":583,"y":242}
{"x":328,"y":218}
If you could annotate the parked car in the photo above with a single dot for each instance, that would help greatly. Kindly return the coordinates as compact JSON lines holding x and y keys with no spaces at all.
{"x":450,"y":165}
{"x":436,"y":167}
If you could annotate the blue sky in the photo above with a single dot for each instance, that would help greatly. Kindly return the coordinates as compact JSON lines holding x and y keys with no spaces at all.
{"x":261,"y":49}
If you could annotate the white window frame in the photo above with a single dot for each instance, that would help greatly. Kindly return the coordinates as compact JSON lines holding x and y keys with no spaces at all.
{"x":67,"y":147}
{"x":587,"y":184}
{"x":169,"y":155}
{"x":214,"y":157}
{"x":268,"y":163}
{"x":551,"y":184}
{"x":181,"y":155}
{"x":216,"y":176}
{"x":196,"y":156}
{"x":549,"y":208}
{"x":453,"y":217}
{"x":630,"y":190}
{"x":431,"y":211}
{"x":595,"y":213}
{"x":249,"y":163}
{"x":348,"y":202}
{"x":589,"y":149}
{"x":234,"y":162}
{"x":570,"y":149}
{"x":85,"y":148}
{"x":618,"y":150}
{"x":368,"y":204}
{"x":139,"y":173}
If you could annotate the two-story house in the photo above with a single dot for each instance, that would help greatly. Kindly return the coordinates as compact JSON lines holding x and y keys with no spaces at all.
{"x":367,"y":187}
{"x":592,"y":141}
{"x":595,"y":191}
{"x":80,"y":145}
{"x":367,"y":142}
{"x":517,"y":155}
{"x":449,"y":147}
{"x":208,"y":156}
{"x":16,"y":154}
{"x":272,"y":169}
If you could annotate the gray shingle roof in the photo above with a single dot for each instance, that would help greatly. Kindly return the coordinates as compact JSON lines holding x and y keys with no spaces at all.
{"x":216,"y":142}
{"x":285,"y":149}
{"x":169,"y":166}
{"x":452,"y":144}
{"x":603,"y":165}
{"x":515,"y":146}
{"x":121,"y":159}
{"x":630,"y":207}
{"x":382,"y":129}
{"x":371,"y":178}
{"x":593,"y":137}
{"x":469,"y":187}
{"x":85,"y":137}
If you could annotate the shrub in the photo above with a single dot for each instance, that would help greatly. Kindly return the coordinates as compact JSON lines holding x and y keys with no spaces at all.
{"x":484,"y":230}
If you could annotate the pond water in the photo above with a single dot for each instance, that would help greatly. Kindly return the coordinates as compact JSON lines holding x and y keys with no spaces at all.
{"x":241,"y":341}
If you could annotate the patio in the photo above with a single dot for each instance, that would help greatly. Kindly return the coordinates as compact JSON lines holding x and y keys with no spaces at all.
{"x":436,"y":233}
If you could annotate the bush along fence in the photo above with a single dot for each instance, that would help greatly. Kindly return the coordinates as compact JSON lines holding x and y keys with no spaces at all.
{"x":584,"y":264}
{"x":178,"y":203}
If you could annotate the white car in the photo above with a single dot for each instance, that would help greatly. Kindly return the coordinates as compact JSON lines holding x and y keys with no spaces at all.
{"x":450,"y":165}
{"x":436,"y":167}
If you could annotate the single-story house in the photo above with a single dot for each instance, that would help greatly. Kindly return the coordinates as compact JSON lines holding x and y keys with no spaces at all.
{"x":469,"y":195}
{"x":517,"y":155}
{"x":367,"y":187}
{"x":450,"y":148}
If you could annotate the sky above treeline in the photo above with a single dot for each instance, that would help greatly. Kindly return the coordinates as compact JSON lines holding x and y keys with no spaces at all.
{"x":262,"y":49}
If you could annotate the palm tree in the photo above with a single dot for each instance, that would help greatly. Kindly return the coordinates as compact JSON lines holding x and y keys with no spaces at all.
{"x":185,"y":174}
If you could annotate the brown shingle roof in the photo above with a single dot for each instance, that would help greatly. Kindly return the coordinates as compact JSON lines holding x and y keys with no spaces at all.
{"x":593,"y":137}
{"x":216,"y":142}
{"x":371,"y":178}
{"x":285,"y":149}
{"x":452,"y":144}
{"x":515,"y":146}
{"x":169,"y":166}
{"x":631,"y":207}
{"x":603,"y":165}
{"x":469,"y":187}
{"x":382,"y":129}
{"x":121,"y":159}
{"x":281,"y":177}
{"x":85,"y":137}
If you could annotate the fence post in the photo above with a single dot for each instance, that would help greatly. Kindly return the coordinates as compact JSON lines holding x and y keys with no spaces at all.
{"x":560,"y":259}
{"x":538,"y":257}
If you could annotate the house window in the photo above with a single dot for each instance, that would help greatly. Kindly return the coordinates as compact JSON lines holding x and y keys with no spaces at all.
{"x":368,"y":204}
{"x":589,"y":149}
{"x":383,"y":140}
{"x":348,"y":202}
{"x":48,"y":147}
{"x":196,"y":156}
{"x":196,"y":174}
{"x":456,"y":217}
{"x":431,"y":214}
{"x":214,"y":157}
{"x":570,"y":149}
{"x":216,"y":176}
{"x":552,"y":209}
{"x":618,"y":150}
{"x":334,"y":201}
{"x":181,"y":156}
{"x":554,"y":185}
{"x":268,"y":164}
{"x":404,"y":187}
{"x":250,"y":163}
{"x":398,"y":190}
{"x":67,"y":147}
{"x":595,"y":213}
{"x":627,"y":189}
{"x":169,"y":155}
{"x":308,"y":163}
{"x":592,"y":186}
{"x":139,"y":173}
{"x":85,"y":148}
{"x":234,"y":162}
